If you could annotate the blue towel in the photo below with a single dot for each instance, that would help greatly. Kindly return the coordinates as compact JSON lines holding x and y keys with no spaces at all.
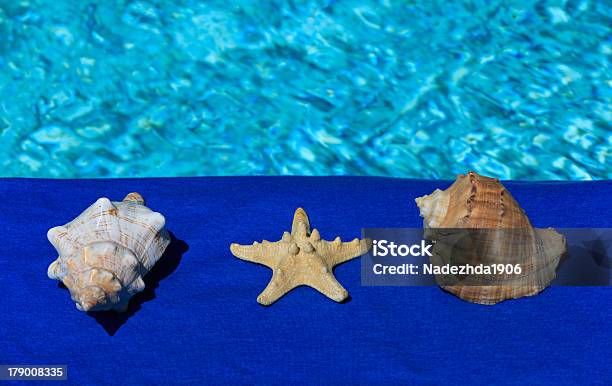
{"x":198,"y":319}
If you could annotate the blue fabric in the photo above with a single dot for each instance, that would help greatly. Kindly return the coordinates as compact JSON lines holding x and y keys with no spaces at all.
{"x":198,"y":319}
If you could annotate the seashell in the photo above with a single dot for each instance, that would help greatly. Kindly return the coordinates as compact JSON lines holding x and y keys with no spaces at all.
{"x":477,"y":221}
{"x":105,"y":252}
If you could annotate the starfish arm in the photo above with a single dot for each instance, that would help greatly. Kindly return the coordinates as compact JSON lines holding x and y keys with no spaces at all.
{"x":338,"y":252}
{"x":254,"y":253}
{"x":327,"y":284}
{"x":279,"y":285}
{"x":300,"y":225}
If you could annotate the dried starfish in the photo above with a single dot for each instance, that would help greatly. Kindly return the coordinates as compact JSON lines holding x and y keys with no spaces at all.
{"x":301,"y":258}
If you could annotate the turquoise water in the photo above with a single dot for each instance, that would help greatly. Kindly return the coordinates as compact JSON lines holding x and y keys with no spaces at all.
{"x":424,"y":89}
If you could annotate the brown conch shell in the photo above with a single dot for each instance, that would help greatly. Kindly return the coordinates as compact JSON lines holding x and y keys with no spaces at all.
{"x":477,"y":221}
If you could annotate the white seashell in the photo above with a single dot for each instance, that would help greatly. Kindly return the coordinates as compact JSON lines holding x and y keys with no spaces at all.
{"x":105,"y":252}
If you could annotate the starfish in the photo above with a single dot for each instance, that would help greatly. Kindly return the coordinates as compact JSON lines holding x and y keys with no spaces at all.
{"x":301,"y":258}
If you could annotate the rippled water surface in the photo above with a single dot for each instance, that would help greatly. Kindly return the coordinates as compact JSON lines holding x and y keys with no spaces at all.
{"x":427,"y":89}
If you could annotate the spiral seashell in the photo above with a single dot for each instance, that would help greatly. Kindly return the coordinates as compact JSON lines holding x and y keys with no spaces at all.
{"x":106,"y":251}
{"x":477,"y":221}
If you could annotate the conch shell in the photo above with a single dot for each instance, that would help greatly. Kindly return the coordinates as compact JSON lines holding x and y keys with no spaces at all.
{"x":105,"y":252}
{"x":477,"y":221}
